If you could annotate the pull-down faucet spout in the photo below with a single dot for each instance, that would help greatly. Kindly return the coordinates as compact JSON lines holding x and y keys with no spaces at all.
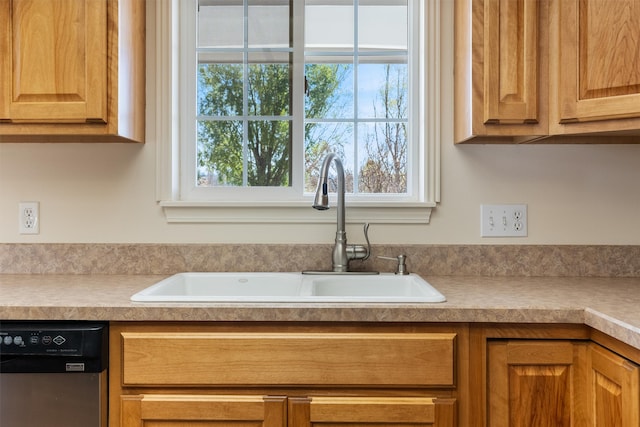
{"x":342,"y":253}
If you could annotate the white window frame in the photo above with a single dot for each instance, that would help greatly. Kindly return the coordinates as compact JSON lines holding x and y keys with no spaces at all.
{"x":164,"y":62}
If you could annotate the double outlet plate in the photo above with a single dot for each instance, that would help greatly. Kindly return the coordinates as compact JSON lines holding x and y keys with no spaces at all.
{"x":503,"y":220}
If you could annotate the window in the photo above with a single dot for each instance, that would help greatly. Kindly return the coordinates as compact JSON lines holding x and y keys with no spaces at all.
{"x":262,"y":90}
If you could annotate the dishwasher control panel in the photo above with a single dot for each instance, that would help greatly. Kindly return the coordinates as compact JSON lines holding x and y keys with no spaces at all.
{"x":50,"y":339}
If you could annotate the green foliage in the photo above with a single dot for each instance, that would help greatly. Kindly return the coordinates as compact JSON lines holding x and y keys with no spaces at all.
{"x":262,"y":158}
{"x":259,"y":155}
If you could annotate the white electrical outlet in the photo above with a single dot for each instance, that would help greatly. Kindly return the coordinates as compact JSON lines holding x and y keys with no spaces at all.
{"x":503,"y":220}
{"x":29,"y":217}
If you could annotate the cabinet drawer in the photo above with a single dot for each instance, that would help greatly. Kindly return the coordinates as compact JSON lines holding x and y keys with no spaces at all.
{"x":369,"y":359}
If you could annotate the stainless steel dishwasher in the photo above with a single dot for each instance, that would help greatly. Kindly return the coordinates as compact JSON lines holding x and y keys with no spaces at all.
{"x":53,"y":374}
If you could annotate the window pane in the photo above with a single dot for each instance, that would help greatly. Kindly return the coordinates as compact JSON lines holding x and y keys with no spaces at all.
{"x":269,"y":24}
{"x":220,"y":23}
{"x":323,"y":138}
{"x":269,"y":92}
{"x":269,"y":153}
{"x":382,"y":91}
{"x":383,"y":25}
{"x":383,"y":164}
{"x":329,"y":25}
{"x":219,"y":156}
{"x":220,"y":89}
{"x":329,"y":91}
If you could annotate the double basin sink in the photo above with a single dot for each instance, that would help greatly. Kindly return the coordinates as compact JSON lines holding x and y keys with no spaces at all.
{"x":290,"y":287}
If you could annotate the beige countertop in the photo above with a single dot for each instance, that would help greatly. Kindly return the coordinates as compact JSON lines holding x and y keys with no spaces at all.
{"x":610,"y":305}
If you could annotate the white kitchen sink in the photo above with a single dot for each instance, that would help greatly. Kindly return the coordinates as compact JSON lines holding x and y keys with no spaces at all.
{"x":289,"y":287}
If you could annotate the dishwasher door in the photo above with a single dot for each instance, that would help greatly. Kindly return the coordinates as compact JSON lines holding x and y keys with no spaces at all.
{"x":53,"y":399}
{"x":53,"y":374}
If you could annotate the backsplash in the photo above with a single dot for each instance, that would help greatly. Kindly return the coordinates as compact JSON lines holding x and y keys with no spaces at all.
{"x":434,"y":260}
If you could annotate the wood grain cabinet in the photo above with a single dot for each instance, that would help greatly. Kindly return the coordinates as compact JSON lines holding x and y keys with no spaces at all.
{"x":206,"y":410}
{"x":501,"y":50}
{"x":543,"y":70}
{"x":319,"y":411}
{"x":186,"y":375}
{"x":612,"y":389}
{"x":72,"y":70}
{"x":560,"y":383}
{"x":595,"y":66}
{"x":535,"y":383}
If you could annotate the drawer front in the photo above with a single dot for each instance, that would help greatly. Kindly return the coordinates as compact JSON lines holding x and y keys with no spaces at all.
{"x":369,"y":359}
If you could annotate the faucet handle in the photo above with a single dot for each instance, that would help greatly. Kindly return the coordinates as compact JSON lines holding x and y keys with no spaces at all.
{"x":366,"y":237}
{"x":402,"y":266}
{"x":360,"y":252}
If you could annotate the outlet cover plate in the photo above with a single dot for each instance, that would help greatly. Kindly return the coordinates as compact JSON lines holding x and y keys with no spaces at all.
{"x":29,"y":217}
{"x":503,"y":220}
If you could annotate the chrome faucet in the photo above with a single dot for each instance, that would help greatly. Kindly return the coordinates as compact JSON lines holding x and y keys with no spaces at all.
{"x":342,"y":252}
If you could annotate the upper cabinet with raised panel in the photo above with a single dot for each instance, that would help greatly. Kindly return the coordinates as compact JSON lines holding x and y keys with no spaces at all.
{"x":72,"y":70}
{"x":528,"y":70}
{"x":500,"y":69}
{"x":596,"y":66}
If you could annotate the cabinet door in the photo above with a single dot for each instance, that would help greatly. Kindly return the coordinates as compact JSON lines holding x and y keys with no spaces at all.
{"x":613,"y":389}
{"x":203,"y":410}
{"x":511,"y":61}
{"x":531,"y":383}
{"x":598,"y":62}
{"x":53,"y":63}
{"x":371,"y":411}
{"x":501,"y":69}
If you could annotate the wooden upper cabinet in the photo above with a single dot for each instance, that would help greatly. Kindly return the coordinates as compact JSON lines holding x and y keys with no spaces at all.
{"x":543,"y":70}
{"x":500,"y":69}
{"x":596,"y":65}
{"x":72,"y":70}
{"x":57,"y":62}
{"x":511,"y":62}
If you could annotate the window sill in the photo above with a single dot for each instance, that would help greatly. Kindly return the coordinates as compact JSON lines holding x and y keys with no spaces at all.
{"x":277,"y":213}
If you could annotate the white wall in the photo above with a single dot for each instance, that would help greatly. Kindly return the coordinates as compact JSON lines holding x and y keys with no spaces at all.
{"x":576,"y":194}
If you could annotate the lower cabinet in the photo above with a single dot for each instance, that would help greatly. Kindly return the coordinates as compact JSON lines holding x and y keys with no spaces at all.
{"x":613,"y":395}
{"x":205,"y":410}
{"x":280,"y":411}
{"x":560,"y":383}
{"x":534,"y":383}
{"x":189,"y":374}
{"x":183,"y":375}
{"x":371,"y":411}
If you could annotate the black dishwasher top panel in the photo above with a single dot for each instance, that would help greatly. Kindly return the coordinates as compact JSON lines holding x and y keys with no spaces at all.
{"x":78,"y":339}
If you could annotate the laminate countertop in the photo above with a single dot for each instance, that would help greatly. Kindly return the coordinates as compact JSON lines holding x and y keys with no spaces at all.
{"x":609,"y":305}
